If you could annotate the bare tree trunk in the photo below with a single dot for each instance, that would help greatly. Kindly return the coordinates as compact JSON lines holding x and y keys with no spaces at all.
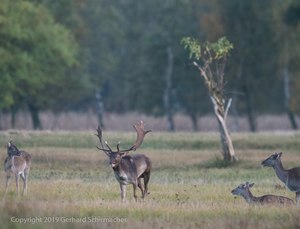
{"x":1,"y":120}
{"x":99,"y":108}
{"x":287,"y":98}
{"x":34,"y":112}
{"x":287,"y":91}
{"x":227,"y":146}
{"x":292,"y":119}
{"x":194,"y":121}
{"x":13,"y":112}
{"x":236,"y":115}
{"x":168,"y":103}
{"x":286,"y":86}
{"x":236,"y":125}
{"x":250,"y":115}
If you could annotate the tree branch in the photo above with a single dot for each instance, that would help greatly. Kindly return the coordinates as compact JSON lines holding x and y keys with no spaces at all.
{"x":216,"y":108}
{"x":227,"y":108}
{"x":202,"y":71}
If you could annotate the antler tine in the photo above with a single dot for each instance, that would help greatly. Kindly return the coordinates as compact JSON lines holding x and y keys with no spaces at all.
{"x":104,"y":150}
{"x":106,"y":143}
{"x":99,"y":135}
{"x":140,"y":130}
{"x":118,"y":146}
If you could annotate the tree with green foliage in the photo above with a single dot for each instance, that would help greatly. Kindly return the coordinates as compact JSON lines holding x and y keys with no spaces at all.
{"x":213,"y":58}
{"x":36,"y":55}
{"x":126,"y":56}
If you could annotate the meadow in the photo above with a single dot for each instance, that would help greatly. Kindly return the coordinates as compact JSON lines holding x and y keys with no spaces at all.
{"x":72,"y":186}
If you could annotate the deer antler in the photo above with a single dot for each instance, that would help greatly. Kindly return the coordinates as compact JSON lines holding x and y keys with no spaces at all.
{"x":99,"y":135}
{"x":140,"y":130}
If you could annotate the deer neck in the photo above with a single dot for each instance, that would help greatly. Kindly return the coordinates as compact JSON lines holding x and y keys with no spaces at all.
{"x":249,"y":197}
{"x":122,"y":168}
{"x":122,"y":172}
{"x":281,"y":173}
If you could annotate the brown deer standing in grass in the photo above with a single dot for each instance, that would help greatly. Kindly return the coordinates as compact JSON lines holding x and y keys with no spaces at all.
{"x":290,"y":177}
{"x":244,"y":191}
{"x":17,"y":163}
{"x":129,"y":169}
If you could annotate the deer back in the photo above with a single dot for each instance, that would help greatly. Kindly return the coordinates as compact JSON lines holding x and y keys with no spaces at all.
{"x":15,"y":164}
{"x":132,"y":167}
{"x":142,"y":162}
{"x":27,"y":157}
{"x":272,"y":199}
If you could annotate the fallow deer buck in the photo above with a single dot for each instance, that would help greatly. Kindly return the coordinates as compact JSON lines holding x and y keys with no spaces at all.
{"x":17,"y":163}
{"x":129,"y":169}
{"x":290,"y":177}
{"x":244,"y":191}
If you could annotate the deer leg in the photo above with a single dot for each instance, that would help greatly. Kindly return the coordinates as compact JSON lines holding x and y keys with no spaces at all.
{"x":23,"y":176}
{"x":146,"y":180}
{"x":7,"y":183}
{"x":26,"y":174}
{"x":134,"y":190}
{"x":123,"y":192}
{"x":17,"y":182}
{"x":297,"y":198}
{"x":141,"y":187}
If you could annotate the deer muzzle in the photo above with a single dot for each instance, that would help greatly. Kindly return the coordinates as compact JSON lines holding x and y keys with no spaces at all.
{"x":113,"y":164}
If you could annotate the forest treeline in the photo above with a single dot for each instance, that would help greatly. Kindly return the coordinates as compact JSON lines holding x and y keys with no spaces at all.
{"x":121,"y":56}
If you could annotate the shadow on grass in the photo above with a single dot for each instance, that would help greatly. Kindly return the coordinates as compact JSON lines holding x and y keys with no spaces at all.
{"x":214,"y":163}
{"x":218,"y":162}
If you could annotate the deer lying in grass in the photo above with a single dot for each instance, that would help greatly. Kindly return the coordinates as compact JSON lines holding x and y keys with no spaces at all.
{"x":129,"y":169}
{"x":244,"y":191}
{"x":17,"y":163}
{"x":290,"y":177}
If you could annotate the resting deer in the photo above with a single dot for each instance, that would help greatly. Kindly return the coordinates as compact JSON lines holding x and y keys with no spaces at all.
{"x":17,"y":163}
{"x":244,"y":191}
{"x":290,"y":177}
{"x":129,"y":169}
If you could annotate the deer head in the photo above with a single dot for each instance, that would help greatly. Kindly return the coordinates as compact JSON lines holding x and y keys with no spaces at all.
{"x":271,"y":160}
{"x":12,"y":150}
{"x":242,"y":189}
{"x":116,"y":156}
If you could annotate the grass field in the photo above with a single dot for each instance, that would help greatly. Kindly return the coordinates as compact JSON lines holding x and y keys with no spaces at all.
{"x":72,"y":186}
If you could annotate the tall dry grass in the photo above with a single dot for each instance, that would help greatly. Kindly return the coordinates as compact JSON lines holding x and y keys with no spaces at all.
{"x":189,"y":186}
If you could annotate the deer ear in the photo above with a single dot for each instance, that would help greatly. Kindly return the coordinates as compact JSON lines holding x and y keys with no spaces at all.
{"x":279,"y":154}
{"x":123,"y":154}
{"x":9,"y":144}
{"x":251,"y":185}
